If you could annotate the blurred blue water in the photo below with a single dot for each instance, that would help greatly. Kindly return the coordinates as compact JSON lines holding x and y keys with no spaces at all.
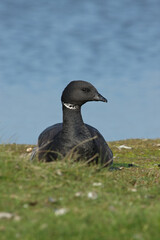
{"x":113,"y":44}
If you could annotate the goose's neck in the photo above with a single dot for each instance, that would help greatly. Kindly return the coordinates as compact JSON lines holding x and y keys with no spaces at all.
{"x":72,"y":117}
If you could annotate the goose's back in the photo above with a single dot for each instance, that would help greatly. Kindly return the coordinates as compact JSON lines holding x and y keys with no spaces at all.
{"x":47,"y":137}
{"x":49,"y":133}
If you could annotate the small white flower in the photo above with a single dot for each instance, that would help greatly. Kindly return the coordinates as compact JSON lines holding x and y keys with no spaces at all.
{"x":58,"y":172}
{"x":6,"y":215}
{"x":92,"y":195}
{"x":78,"y":194}
{"x":60,"y":211}
{"x":133,"y":190}
{"x":97,"y":184}
{"x":17,"y":218}
{"x":123,"y":147}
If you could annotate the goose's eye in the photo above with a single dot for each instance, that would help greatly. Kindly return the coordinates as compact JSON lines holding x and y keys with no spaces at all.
{"x":86,"y":90}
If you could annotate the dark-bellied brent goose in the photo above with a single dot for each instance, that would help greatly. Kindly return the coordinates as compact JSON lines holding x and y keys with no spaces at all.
{"x":73,"y":136}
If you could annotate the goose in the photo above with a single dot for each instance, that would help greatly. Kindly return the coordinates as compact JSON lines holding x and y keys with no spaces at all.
{"x":73,"y":136}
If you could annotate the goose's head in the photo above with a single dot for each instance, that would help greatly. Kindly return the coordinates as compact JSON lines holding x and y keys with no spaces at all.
{"x":80,"y":92}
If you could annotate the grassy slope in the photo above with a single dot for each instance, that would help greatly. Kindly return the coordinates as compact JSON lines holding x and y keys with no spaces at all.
{"x":127,"y":205}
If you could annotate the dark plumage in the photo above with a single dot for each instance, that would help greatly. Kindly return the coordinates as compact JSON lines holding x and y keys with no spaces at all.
{"x":73,"y":135}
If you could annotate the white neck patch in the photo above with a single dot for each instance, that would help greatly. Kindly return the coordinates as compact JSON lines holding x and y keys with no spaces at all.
{"x":71,"y":106}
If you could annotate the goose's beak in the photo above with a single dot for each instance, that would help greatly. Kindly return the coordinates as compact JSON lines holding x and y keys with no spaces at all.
{"x":99,"y":97}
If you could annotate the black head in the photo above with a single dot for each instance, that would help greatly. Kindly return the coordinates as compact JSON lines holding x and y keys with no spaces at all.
{"x":80,"y":92}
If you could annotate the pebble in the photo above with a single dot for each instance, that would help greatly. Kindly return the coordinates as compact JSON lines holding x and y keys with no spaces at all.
{"x":29,"y":150}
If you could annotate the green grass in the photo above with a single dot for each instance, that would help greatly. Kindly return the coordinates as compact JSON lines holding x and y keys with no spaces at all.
{"x":126,"y":204}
